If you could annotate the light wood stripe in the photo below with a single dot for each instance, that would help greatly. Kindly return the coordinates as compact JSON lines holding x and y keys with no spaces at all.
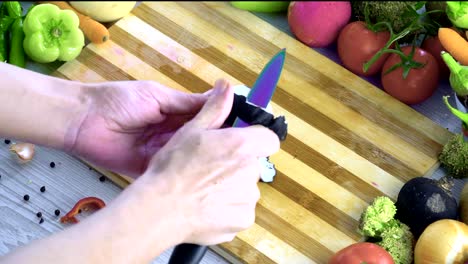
{"x":378,"y":100}
{"x":287,"y":232}
{"x":74,"y":70}
{"x":297,"y":87}
{"x":312,"y":180}
{"x":273,"y":246}
{"x":302,"y":219}
{"x":132,"y":42}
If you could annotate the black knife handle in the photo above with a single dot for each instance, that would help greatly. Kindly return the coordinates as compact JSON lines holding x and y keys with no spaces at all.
{"x":187,"y":254}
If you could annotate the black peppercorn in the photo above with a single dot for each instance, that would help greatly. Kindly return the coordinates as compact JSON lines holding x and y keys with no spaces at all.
{"x":102,"y":178}
{"x":57,"y":212}
{"x":39,"y":214}
{"x":52,"y":164}
{"x":26,"y":197}
{"x":7,"y":141}
{"x":43,"y":189}
{"x":41,"y":221}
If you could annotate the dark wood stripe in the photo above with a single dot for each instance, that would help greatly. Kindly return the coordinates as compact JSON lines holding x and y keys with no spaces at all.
{"x":102,"y":67}
{"x":346,"y":96}
{"x":330,"y":169}
{"x":281,"y":97}
{"x":292,"y":145}
{"x":158,"y":61}
{"x":292,"y":236}
{"x":316,"y":205}
{"x":249,"y":254}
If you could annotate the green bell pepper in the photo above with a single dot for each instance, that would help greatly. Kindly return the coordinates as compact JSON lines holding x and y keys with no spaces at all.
{"x":52,"y":34}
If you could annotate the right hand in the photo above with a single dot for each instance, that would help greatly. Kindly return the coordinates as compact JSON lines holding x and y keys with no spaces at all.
{"x":210,"y":174}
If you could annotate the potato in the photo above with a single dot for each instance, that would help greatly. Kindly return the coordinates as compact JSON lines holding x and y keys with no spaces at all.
{"x":103,"y":11}
{"x":317,"y":24}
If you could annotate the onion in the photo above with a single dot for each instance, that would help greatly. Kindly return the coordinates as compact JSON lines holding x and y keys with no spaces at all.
{"x":24,"y":151}
{"x":444,"y":241}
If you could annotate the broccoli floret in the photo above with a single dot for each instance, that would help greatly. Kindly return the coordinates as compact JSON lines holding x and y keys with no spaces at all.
{"x":375,"y":219}
{"x":388,"y":11}
{"x":454,"y":156}
{"x":398,"y":240}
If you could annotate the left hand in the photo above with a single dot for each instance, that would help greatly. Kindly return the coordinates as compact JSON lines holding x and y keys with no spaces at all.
{"x":129,"y":121}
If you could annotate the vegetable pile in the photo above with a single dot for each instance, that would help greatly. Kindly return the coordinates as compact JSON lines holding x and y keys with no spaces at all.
{"x":400,"y":41}
{"x":51,"y":31}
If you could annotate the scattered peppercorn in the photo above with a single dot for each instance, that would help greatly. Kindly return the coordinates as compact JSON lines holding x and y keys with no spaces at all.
{"x":43,"y":189}
{"x":26,"y":197}
{"x":57,"y":212}
{"x":39,"y":214}
{"x":41,"y":221}
{"x":102,"y":178}
{"x":52,"y":164}
{"x":79,"y":211}
{"x":7,"y":141}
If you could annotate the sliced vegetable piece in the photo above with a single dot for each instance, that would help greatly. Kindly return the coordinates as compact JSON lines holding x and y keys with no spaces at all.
{"x":85,"y":204}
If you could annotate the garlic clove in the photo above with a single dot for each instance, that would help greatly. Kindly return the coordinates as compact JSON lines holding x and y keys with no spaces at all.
{"x":24,"y":151}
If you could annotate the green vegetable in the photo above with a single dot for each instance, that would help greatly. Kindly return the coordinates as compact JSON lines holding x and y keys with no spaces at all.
{"x":263,"y":6}
{"x":378,"y":225}
{"x":458,"y":74}
{"x":398,"y":240}
{"x":5,"y":22}
{"x":14,"y":8}
{"x":457,"y":12}
{"x":52,"y":34}
{"x":376,"y":217}
{"x":396,"y":13}
{"x":16,"y":48}
{"x":454,"y":155}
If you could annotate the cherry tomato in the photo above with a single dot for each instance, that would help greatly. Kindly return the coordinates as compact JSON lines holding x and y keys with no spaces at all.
{"x":362,"y":252}
{"x":432,"y":45}
{"x":420,"y":83}
{"x":357,"y":45}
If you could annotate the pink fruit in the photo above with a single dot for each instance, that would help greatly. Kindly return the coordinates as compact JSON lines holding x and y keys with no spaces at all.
{"x":317,"y":24}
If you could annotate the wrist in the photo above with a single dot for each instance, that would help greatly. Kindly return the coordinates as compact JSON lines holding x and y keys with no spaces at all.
{"x":142,"y":215}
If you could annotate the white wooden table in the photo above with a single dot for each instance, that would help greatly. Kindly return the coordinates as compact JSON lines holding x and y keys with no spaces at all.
{"x":71,"y":180}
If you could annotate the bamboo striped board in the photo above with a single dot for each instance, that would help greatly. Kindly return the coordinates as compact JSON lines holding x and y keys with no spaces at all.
{"x":348,"y":141}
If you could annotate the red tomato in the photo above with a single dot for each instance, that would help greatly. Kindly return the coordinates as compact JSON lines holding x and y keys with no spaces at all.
{"x":357,"y":45}
{"x":362,"y":252}
{"x":420,"y":83}
{"x":432,"y":45}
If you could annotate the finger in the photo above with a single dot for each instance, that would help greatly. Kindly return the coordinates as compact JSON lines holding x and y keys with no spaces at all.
{"x":176,"y":102}
{"x":256,"y":140}
{"x":217,"y":107}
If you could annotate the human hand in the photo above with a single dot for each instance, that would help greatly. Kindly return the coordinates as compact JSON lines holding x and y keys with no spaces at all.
{"x":127,"y":122}
{"x":209,"y":174}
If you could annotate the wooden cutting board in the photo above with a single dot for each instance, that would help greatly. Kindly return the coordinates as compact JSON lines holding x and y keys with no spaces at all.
{"x":348,"y":141}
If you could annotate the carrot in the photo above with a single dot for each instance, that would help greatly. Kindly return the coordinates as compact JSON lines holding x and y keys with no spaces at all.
{"x":93,"y":30}
{"x":454,"y":44}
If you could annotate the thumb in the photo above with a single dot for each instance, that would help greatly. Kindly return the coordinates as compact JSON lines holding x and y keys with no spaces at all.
{"x":217,"y":107}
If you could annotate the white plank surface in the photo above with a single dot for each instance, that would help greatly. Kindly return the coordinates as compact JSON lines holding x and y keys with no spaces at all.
{"x":66,"y":183}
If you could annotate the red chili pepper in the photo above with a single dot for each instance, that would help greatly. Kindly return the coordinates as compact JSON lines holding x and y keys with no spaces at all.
{"x":83,"y":204}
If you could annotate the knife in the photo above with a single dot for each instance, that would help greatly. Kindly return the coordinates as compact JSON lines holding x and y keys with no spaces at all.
{"x":260,"y":95}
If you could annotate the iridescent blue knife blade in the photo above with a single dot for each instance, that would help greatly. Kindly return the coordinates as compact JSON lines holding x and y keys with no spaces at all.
{"x":265,"y":85}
